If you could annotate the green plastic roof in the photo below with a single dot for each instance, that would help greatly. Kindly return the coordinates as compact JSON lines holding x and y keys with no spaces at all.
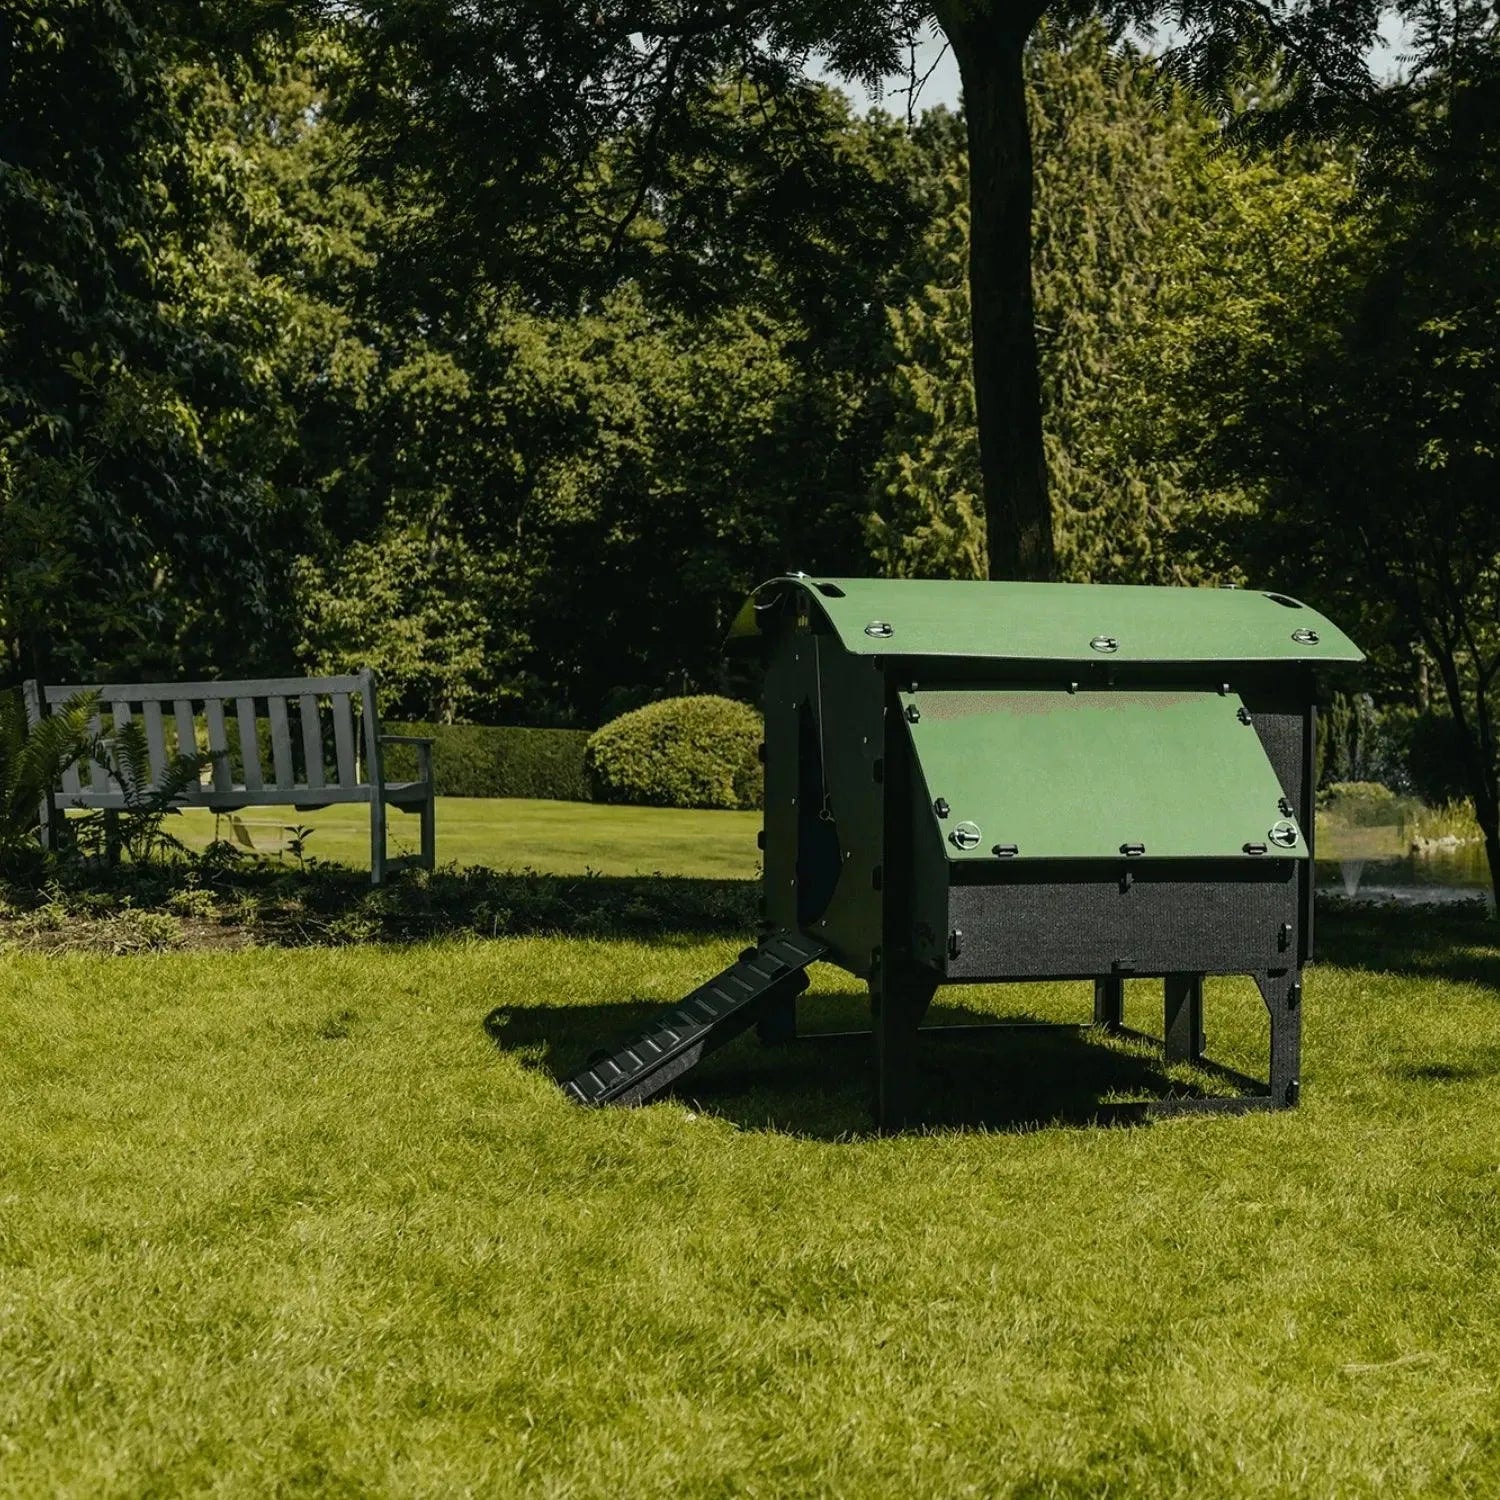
{"x":1058,"y":621}
{"x":1060,"y":775}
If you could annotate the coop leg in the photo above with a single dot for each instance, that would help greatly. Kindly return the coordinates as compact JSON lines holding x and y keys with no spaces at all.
{"x":777,"y":1020}
{"x":899,"y":997}
{"x":1182,"y":1031}
{"x":1283,"y":996}
{"x":1109,"y":1002}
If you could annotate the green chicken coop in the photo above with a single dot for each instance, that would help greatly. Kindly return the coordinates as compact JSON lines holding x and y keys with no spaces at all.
{"x":970,"y":781}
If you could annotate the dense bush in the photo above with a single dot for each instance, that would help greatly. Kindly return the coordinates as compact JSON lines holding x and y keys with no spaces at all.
{"x":682,"y":752}
{"x":1365,"y":804}
{"x":1435,"y":759}
{"x":472,"y":760}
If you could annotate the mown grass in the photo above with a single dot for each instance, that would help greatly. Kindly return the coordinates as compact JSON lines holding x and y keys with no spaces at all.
{"x":293,"y":1222}
{"x":566,"y":838}
{"x":513,"y":833}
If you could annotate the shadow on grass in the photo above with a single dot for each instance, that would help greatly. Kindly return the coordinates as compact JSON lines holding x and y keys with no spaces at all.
{"x":1462,"y":945}
{"x":819,"y":1086}
{"x":217,"y":903}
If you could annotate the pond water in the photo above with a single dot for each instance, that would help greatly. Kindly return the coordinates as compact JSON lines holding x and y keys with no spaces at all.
{"x":1441,"y":875}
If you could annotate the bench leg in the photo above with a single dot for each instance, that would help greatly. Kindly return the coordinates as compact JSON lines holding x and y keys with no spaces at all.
{"x":48,"y":817}
{"x":429,"y":834}
{"x":377,"y":840}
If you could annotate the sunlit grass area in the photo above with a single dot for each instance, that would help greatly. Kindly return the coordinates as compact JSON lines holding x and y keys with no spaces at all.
{"x":508,"y":834}
{"x":570,"y":837}
{"x":285,"y":1222}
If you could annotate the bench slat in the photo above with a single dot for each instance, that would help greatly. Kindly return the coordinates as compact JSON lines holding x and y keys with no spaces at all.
{"x":218,"y":743}
{"x":99,"y":774}
{"x":187,"y":734}
{"x":237,"y":797}
{"x":156,"y":741}
{"x":343,"y":738}
{"x":165,"y":692}
{"x":249,"y":744}
{"x":312,"y":739}
{"x":281,"y":742}
{"x":121,"y":716}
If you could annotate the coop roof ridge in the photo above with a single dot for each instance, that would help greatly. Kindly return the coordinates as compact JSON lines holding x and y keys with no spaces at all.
{"x":1027,"y":621}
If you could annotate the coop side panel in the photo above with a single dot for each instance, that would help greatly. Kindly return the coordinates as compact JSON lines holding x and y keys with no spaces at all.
{"x":781,"y":696}
{"x":852,"y":720}
{"x":1284,"y":718}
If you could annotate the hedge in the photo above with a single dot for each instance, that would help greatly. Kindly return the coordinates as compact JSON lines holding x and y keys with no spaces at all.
{"x":473,"y":760}
{"x":681,"y":752}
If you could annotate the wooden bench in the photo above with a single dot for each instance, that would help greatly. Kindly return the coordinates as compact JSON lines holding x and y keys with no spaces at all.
{"x":187,"y":716}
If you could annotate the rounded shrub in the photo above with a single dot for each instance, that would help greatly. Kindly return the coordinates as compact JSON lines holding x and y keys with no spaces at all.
{"x":681,"y":752}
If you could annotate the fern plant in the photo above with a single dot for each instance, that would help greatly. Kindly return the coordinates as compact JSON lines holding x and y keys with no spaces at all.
{"x":127,"y":757}
{"x":33,"y":757}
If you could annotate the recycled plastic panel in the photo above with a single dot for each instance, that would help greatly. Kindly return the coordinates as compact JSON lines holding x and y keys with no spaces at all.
{"x":1091,"y":775}
{"x":1047,"y":921}
{"x":1059,"y":621}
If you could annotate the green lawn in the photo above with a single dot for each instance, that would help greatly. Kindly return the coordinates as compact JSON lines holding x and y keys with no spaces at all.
{"x":515,"y":834}
{"x":290,"y":1222}
{"x":569,"y":837}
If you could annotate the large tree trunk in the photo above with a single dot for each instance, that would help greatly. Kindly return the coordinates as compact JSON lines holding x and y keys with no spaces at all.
{"x":989,"y":41}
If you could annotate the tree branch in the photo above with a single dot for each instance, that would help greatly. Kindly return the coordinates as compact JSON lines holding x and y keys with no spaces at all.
{"x":703,"y":25}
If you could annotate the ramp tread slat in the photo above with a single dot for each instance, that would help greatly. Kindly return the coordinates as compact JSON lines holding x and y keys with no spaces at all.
{"x":674,"y":1042}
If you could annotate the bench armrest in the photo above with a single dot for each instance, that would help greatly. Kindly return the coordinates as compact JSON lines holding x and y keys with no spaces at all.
{"x":422,"y":744}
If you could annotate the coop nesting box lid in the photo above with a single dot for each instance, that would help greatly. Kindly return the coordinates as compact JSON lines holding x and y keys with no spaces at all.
{"x":1050,"y":621}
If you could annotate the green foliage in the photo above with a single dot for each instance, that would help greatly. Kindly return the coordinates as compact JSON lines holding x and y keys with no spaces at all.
{"x":138,"y":425}
{"x":1435,"y":758}
{"x":1364,"y":804}
{"x":126,"y":755}
{"x":404,"y":605}
{"x":682,"y":752}
{"x":928,"y":520}
{"x":1351,"y":387}
{"x":125,"y":907}
{"x":1119,"y":166}
{"x":275,"y":394}
{"x":473,"y":760}
{"x":33,"y":757}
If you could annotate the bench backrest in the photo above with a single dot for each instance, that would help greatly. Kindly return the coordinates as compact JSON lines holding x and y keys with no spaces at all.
{"x":221,"y":717}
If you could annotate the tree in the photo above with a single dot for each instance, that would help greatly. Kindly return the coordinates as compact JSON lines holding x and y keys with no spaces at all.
{"x":1122,"y":164}
{"x":928,"y":519}
{"x":132,"y":484}
{"x":597,"y":476}
{"x":514,"y":98}
{"x":1360,"y":399}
